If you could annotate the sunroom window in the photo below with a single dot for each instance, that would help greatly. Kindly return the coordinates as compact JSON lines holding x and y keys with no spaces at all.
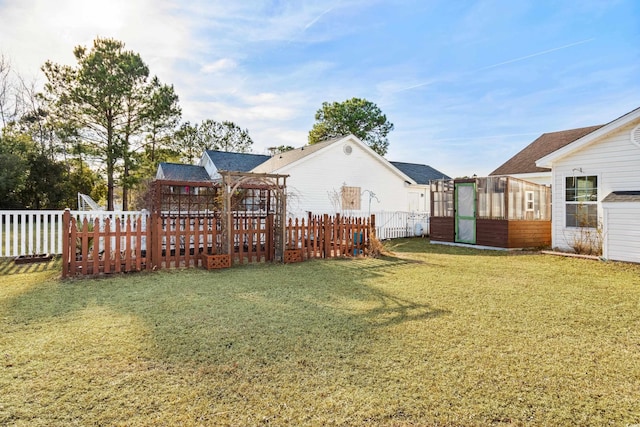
{"x":581,"y":201}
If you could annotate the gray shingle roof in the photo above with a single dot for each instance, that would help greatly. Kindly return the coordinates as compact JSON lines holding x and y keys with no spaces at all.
{"x":182,"y":172}
{"x":236,"y":162}
{"x":421,"y":174}
{"x":622,"y":196}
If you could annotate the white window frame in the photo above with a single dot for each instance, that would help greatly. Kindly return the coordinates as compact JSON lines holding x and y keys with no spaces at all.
{"x":529,"y":201}
{"x":592,"y":204}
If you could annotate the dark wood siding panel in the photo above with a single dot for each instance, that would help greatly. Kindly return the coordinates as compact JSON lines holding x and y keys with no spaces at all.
{"x":492,"y":232}
{"x":442,"y":229}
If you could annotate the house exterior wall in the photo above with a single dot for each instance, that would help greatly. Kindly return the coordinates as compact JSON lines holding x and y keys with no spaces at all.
{"x":418,"y":198}
{"x":615,"y":160}
{"x":315,"y":182}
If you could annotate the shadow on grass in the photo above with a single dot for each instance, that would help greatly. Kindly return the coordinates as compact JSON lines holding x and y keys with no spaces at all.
{"x":8,"y":266}
{"x":394,"y":310}
{"x":253,"y":312}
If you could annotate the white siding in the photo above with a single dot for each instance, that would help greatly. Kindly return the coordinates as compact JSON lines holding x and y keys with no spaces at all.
{"x":614,"y":159}
{"x":418,"y":198}
{"x":542,"y":178}
{"x":622,"y":237}
{"x":314,"y":177}
{"x":209,"y":166}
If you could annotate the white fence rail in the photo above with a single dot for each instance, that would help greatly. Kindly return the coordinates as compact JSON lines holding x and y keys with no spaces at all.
{"x":25,"y":232}
{"x":393,"y":225}
{"x":29,"y":232}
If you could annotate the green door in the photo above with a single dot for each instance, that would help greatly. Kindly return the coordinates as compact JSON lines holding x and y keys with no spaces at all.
{"x":465,"y":212}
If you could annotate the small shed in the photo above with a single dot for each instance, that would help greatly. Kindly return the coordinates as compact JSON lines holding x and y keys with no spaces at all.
{"x":496,"y":211}
{"x":621,"y":211}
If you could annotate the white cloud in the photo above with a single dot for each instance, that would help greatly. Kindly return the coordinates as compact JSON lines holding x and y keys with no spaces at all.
{"x":268,"y":65}
{"x":224,"y":64}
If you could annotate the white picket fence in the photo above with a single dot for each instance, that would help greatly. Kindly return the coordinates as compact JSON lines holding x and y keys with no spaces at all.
{"x":394,"y":225}
{"x":28,"y":232}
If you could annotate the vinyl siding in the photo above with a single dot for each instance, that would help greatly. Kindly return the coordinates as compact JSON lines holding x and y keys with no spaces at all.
{"x":615,"y":160}
{"x":313,"y":178}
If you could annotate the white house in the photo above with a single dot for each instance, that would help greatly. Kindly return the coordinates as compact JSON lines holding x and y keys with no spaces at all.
{"x":339,"y":175}
{"x":345,"y":175}
{"x":596,"y":189}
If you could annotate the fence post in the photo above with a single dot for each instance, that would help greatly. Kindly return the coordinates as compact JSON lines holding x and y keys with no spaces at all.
{"x":372,"y":227}
{"x":149,"y":242}
{"x":326,"y":236}
{"x":66,"y":219}
{"x":155,"y":253}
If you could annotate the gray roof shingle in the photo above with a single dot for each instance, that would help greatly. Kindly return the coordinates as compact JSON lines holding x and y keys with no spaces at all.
{"x":236,"y":162}
{"x":182,"y":172}
{"x":421,"y":174}
{"x":622,"y":196}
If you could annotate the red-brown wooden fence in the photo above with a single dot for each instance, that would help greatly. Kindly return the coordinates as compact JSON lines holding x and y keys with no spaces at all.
{"x":112,"y":246}
{"x":325,"y":236}
{"x":179,"y":241}
{"x":155,"y":241}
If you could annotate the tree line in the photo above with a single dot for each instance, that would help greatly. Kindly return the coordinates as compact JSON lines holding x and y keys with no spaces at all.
{"x":103,"y":125}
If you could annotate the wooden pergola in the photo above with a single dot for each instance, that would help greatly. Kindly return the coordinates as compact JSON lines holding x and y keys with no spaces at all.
{"x":259,"y":194}
{"x":234,"y":196}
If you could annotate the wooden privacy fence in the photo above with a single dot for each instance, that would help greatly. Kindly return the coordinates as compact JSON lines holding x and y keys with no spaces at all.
{"x":154,"y":241}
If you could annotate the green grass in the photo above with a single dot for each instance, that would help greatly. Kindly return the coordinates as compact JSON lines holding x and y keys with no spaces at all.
{"x":433,"y":335}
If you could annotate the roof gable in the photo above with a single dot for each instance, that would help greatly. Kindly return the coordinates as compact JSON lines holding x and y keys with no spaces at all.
{"x":182,"y":172}
{"x":421,"y":174}
{"x":525,"y":160}
{"x":589,"y":138}
{"x":236,"y":162}
{"x":280,"y":160}
{"x":288,"y":158}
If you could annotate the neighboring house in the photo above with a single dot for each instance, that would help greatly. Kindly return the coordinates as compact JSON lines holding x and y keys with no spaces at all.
{"x":338,"y":175}
{"x":418,"y":195}
{"x":182,"y":172}
{"x":345,"y":175}
{"x":596,"y":188}
{"x":214,"y":161}
{"x":523,"y":164}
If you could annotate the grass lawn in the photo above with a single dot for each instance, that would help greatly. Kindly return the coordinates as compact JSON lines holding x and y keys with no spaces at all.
{"x":433,"y":335}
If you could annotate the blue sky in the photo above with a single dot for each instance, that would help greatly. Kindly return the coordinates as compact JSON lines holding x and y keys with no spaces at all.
{"x":467,"y":84}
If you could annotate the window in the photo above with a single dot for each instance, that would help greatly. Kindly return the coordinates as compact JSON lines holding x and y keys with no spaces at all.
{"x":350,"y":198}
{"x":581,"y":197}
{"x":529,"y":201}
